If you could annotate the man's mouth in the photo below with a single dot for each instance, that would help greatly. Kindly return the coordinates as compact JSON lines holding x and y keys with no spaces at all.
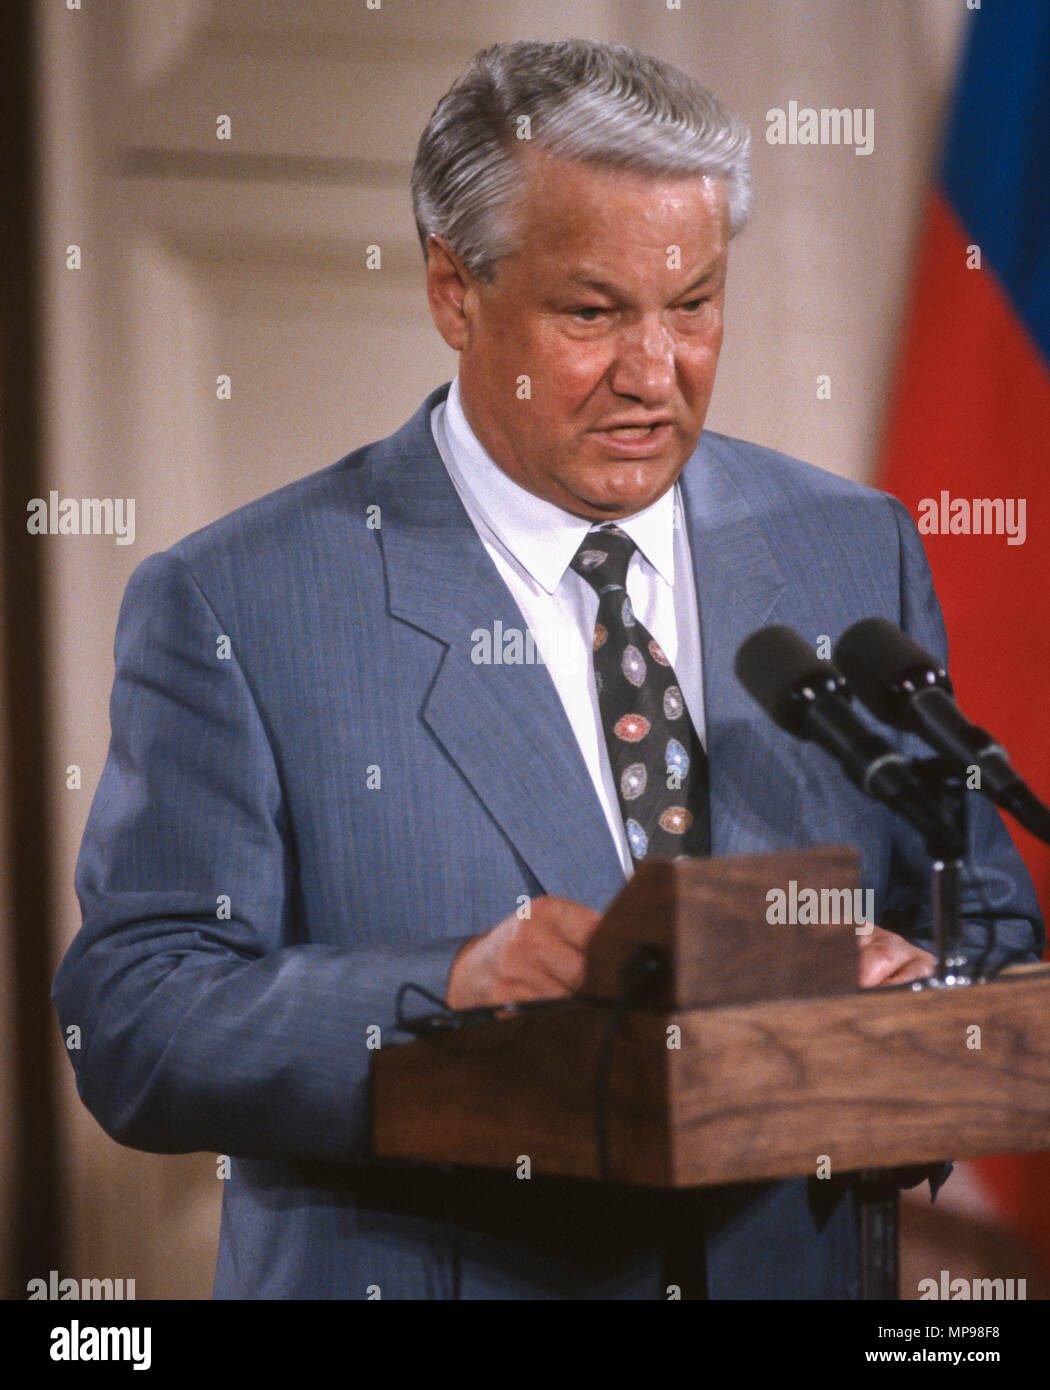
{"x":637,"y":440}
{"x":636,"y":428}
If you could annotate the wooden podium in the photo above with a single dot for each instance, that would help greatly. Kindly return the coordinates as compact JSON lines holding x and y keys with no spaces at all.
{"x":747,"y":1051}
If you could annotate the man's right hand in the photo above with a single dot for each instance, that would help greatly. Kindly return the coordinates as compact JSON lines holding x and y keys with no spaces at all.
{"x":536,"y":957}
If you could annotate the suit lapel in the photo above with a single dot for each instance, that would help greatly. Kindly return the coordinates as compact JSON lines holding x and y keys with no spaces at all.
{"x":738,"y":583}
{"x":503,"y":725}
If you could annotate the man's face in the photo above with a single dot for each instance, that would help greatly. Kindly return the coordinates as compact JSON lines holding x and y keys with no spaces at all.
{"x":612,"y":308}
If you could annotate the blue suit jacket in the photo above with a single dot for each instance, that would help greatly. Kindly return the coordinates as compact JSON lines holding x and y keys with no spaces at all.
{"x":251,"y":903}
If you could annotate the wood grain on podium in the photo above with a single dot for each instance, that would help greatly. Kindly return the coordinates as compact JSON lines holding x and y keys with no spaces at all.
{"x":729,"y":1091}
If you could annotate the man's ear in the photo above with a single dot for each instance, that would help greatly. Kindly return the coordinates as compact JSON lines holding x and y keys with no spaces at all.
{"x":448,"y":284}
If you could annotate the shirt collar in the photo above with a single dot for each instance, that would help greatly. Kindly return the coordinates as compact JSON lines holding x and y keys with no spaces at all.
{"x":542,"y":537}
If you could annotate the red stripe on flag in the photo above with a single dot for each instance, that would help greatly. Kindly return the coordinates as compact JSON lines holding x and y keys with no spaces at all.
{"x":971,"y":417}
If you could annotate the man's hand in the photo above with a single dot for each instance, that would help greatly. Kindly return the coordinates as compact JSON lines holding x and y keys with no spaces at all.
{"x":537,"y":957}
{"x":543,"y":957}
{"x":887,"y":959}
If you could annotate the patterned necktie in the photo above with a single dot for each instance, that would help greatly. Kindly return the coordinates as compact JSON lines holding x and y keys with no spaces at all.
{"x":658,"y":762}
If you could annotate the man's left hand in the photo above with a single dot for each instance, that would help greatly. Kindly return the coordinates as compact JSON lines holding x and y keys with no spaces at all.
{"x":887,"y":959}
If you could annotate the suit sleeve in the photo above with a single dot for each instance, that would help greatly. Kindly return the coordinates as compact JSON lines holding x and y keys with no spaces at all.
{"x":203,"y":1027}
{"x":1001,"y":921}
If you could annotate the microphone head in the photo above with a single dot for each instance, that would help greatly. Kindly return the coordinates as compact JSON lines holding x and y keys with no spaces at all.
{"x":885,"y":667}
{"x":775,"y":665}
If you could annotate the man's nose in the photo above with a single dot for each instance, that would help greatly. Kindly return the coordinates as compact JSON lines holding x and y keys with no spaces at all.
{"x":645,"y":364}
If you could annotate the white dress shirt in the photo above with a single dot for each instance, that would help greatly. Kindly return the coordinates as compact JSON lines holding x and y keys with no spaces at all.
{"x":531,"y":543}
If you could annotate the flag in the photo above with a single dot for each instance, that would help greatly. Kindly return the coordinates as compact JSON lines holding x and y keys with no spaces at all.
{"x":967,"y":447}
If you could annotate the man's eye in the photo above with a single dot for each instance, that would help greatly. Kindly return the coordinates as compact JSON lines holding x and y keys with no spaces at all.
{"x":588,"y":312}
{"x":693,"y":304}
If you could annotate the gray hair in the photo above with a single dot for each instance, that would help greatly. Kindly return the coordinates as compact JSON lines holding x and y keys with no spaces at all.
{"x":598,"y":103}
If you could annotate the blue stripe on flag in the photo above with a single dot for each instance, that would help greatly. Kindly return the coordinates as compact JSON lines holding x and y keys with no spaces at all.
{"x":996,"y":169}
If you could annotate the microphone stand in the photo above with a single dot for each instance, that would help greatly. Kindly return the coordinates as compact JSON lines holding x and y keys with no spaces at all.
{"x":946,"y":845}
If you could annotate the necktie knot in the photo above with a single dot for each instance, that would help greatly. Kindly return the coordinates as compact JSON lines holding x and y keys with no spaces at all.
{"x":603,"y":558}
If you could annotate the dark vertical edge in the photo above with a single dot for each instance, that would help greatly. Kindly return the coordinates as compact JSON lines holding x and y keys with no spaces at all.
{"x":878,"y":1200}
{"x":38,"y":1225}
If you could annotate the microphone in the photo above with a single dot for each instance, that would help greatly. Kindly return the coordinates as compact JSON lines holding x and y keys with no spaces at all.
{"x":809,"y":697}
{"x":907,"y":688}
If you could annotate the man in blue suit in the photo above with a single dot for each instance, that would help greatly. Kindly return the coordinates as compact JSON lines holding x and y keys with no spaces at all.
{"x":363,"y":733}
